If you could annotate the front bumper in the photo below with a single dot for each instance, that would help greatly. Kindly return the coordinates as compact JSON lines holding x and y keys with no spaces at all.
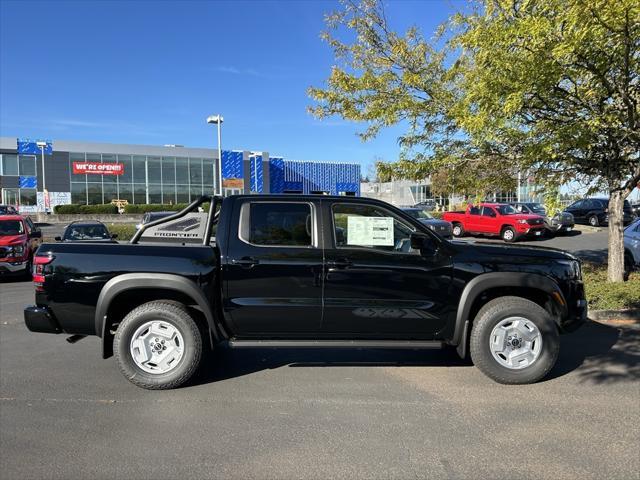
{"x":13,"y":267}
{"x":38,"y":319}
{"x":577,"y":309}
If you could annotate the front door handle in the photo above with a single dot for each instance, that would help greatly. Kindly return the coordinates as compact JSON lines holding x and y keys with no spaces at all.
{"x":339,"y":263}
{"x":246,"y":262}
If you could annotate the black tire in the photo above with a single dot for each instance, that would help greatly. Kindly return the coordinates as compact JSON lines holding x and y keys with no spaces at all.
{"x":28,"y":270}
{"x":178,"y":316}
{"x":489,"y":316}
{"x":457,"y":227}
{"x":593,"y":221}
{"x":508,"y":234}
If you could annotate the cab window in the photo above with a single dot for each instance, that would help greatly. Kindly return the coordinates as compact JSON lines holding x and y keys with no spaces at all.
{"x":370,"y":226}
{"x":278,"y":224}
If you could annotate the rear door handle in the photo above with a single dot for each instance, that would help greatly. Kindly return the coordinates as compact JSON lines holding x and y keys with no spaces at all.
{"x":339,"y":263}
{"x":246,"y":262}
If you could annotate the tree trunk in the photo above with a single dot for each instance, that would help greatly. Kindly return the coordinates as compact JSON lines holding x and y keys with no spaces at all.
{"x":615,"y":272}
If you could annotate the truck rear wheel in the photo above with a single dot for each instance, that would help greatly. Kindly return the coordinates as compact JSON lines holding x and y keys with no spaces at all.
{"x":514,"y":341}
{"x":158,"y":345}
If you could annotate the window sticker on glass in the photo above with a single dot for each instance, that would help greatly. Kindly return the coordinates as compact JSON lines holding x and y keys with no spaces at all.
{"x":370,"y":231}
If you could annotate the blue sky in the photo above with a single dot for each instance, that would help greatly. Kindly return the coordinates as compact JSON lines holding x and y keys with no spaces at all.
{"x":151,"y":72}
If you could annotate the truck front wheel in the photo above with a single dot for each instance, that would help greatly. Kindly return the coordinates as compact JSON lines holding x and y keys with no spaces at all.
{"x":158,"y":345}
{"x":458,"y":230}
{"x":508,"y":234}
{"x":514,"y":341}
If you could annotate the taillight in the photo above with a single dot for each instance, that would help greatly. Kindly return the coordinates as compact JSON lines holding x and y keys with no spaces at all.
{"x":39,"y":261}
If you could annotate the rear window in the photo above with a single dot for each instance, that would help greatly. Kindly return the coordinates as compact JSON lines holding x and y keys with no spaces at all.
{"x":86,"y":232}
{"x":273,"y":223}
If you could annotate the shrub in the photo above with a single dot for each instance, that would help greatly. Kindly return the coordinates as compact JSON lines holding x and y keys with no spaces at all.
{"x":604,"y":295}
{"x":124,"y":230}
{"x":437,"y":215}
{"x":106,"y":208}
{"x":144,"y":207}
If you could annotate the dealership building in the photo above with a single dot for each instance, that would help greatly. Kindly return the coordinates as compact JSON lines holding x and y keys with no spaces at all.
{"x":94,"y":173}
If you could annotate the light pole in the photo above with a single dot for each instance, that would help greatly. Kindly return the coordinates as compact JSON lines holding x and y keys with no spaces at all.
{"x":217,"y":119}
{"x":42,"y":146}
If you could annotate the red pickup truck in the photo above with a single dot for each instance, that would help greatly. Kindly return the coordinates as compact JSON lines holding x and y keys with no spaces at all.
{"x":495,"y":219}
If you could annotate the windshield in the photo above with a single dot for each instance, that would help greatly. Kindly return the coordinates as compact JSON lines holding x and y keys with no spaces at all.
{"x":11,"y":227}
{"x":537,"y":208}
{"x":86,"y":232}
{"x":416,"y":213}
{"x":506,"y":209}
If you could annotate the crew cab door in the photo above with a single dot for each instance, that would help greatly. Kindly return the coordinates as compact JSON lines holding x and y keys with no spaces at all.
{"x":473,"y":219}
{"x":376,"y":286}
{"x":487,"y":222}
{"x":273,"y":268}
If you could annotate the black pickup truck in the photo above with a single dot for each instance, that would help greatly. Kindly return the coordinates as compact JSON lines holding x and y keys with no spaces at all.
{"x":306,"y":271}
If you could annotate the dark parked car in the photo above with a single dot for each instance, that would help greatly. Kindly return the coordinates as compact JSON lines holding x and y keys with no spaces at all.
{"x":595,"y":211}
{"x":280,"y":275}
{"x":635,"y":209}
{"x":8,"y":210}
{"x":87,"y":231}
{"x":428,"y":205}
{"x":561,"y":222}
{"x":441,"y":227}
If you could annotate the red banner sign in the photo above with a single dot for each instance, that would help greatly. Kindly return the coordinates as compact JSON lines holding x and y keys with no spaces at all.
{"x":80,"y":168}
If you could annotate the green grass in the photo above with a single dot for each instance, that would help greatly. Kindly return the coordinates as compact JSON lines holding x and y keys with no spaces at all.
{"x":603,"y":295}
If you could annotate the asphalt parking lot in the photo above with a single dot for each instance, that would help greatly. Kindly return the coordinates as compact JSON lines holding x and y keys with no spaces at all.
{"x":66,"y":413}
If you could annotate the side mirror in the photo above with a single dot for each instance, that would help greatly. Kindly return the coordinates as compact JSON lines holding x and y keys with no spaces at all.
{"x":36,"y":234}
{"x":58,"y":239}
{"x":422,"y":242}
{"x":114,"y":235}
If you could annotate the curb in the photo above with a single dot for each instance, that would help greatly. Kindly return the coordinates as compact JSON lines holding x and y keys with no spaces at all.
{"x":626,"y":316}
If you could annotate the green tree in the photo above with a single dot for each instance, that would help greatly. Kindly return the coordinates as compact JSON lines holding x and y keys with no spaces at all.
{"x":561,"y":78}
{"x":383,"y":79}
{"x":546,"y":86}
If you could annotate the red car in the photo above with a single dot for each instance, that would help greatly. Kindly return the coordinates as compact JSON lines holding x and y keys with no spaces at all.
{"x":495,"y":219}
{"x":19,"y":239}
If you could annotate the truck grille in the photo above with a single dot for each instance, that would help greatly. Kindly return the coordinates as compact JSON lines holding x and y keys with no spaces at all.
{"x":535,"y":221}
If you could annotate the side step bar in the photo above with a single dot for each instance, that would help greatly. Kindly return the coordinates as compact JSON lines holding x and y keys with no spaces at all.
{"x":394,"y":344}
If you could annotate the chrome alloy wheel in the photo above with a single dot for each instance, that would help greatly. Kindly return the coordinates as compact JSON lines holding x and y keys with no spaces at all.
{"x":157,"y":347}
{"x":515,"y":343}
{"x":508,"y":234}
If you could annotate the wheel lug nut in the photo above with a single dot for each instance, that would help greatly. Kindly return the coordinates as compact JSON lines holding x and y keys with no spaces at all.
{"x":162,"y":341}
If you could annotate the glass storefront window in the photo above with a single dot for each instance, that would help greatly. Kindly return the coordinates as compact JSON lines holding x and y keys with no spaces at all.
{"x":195,"y":170}
{"x":139,"y":193}
{"x":196,"y":192}
{"x":168,"y":170}
{"x":79,"y":193}
{"x":77,"y":157}
{"x":154,"y":174}
{"x":126,"y":192}
{"x":155,"y":193}
{"x":127,"y":175}
{"x":110,"y":192}
{"x":28,"y":197}
{"x":182,"y":170}
{"x":168,"y":193}
{"x":108,"y":158}
{"x":139,"y":169}
{"x":94,"y":193}
{"x":9,"y":164}
{"x":27,"y":165}
{"x":182,"y":193}
{"x":207,"y":172}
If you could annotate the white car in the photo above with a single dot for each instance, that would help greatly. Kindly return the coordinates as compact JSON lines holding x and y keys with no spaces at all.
{"x":632,"y":245}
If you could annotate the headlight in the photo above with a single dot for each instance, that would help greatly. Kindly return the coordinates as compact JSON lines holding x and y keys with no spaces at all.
{"x":432,"y":227}
{"x":18,"y":250}
{"x":522,"y":221}
{"x":574,"y":267}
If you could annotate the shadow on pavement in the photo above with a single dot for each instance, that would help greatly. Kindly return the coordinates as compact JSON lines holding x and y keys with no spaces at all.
{"x":599,"y":353}
{"x":226,"y":362}
{"x":595,"y":256}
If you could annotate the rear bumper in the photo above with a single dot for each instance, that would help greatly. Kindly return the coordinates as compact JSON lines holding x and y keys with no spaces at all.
{"x":39,"y":319}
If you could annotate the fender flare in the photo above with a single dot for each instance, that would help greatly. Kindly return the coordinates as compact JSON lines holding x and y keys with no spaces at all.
{"x":129,"y":281}
{"x":485,"y":281}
